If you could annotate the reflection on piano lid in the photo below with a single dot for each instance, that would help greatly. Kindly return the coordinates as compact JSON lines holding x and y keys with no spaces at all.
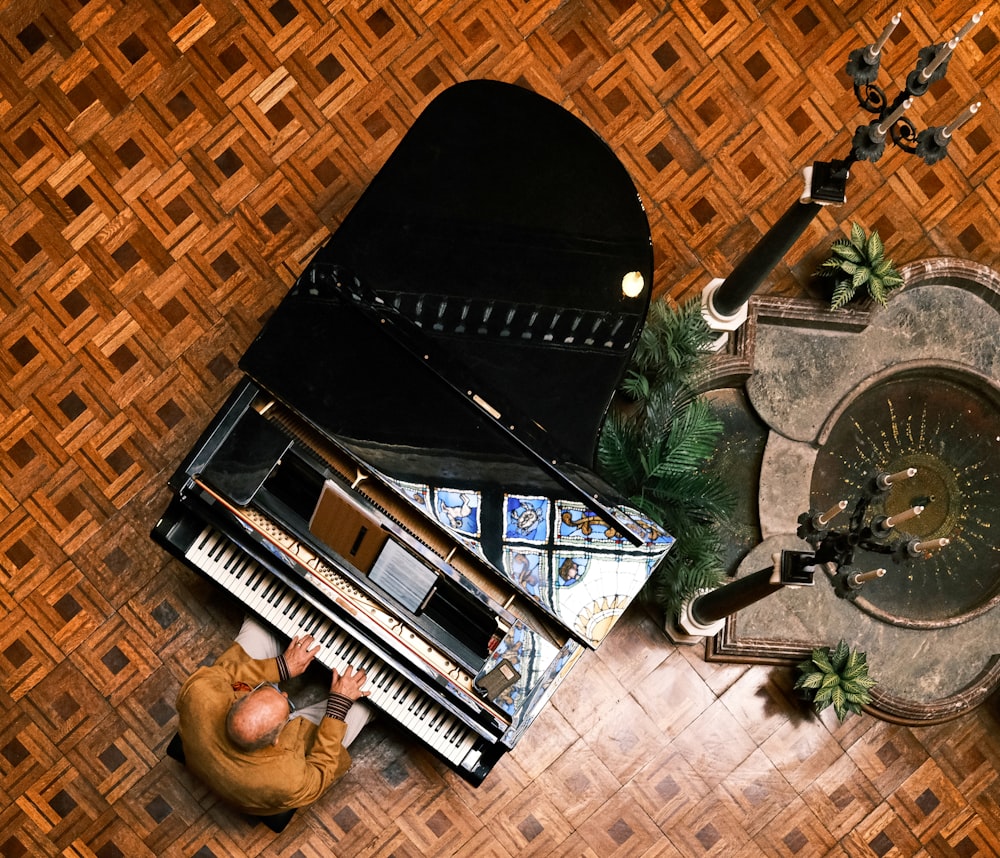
{"x":561,"y":555}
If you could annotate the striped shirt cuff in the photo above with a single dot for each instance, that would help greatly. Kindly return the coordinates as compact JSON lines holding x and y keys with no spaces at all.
{"x":282,"y":668}
{"x":337,"y":706}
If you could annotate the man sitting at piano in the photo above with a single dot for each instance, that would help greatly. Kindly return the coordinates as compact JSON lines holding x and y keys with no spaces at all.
{"x":244,"y":738}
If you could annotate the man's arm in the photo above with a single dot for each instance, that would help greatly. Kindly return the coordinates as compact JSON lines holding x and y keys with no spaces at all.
{"x":328,"y":760}
{"x":240,"y":667}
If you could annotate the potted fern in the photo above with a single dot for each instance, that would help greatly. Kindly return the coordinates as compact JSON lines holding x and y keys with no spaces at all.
{"x":838,"y":677}
{"x":859,"y":263}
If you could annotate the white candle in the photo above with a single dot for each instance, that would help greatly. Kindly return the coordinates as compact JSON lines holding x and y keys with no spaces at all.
{"x":975,"y":20}
{"x":820,"y":520}
{"x":943,"y":53}
{"x":861,"y":577}
{"x":886,"y":123}
{"x":923,"y":547}
{"x":964,"y":117}
{"x":886,"y":480}
{"x":877,"y":47}
{"x":893,"y":520}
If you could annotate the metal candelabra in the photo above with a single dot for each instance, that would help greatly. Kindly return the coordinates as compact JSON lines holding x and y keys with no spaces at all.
{"x":932,"y":63}
{"x":724,"y":302}
{"x":877,"y":535}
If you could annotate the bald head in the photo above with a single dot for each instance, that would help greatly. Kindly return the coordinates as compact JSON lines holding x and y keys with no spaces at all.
{"x":256,"y":719}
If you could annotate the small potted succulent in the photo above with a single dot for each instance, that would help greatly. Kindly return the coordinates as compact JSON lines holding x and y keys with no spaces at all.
{"x":838,"y":677}
{"x":859,"y":267}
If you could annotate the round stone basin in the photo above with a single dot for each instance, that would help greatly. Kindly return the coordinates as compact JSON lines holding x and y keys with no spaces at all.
{"x":945,"y":422}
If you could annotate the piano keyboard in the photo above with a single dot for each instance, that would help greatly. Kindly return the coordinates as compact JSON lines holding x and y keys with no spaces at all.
{"x":267,"y":596}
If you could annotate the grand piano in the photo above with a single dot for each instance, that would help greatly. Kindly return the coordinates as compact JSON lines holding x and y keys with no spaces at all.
{"x":405,"y":470}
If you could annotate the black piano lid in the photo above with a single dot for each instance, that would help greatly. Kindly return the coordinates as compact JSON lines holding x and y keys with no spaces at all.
{"x":480,"y":272}
{"x":495,"y":194}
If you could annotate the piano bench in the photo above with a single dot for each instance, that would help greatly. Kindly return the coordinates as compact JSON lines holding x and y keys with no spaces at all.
{"x":276,"y":822}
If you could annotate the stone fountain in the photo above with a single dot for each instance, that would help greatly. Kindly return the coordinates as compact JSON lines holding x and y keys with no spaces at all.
{"x":838,"y":398}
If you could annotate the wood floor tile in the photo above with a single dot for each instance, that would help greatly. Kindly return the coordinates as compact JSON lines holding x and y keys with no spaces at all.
{"x":673,"y":695}
{"x":26,"y":754}
{"x":439,"y":825}
{"x":394,"y":776}
{"x":888,"y":755}
{"x":484,"y":845}
{"x":624,"y":738}
{"x":802,"y":750}
{"x":26,"y":652}
{"x":634,"y":649}
{"x":575,"y":698}
{"x":115,"y":659}
{"x":506,"y":782}
{"x":928,"y":801}
{"x":213,"y":839}
{"x":762,"y":704}
{"x":67,"y":706}
{"x":667,"y":787}
{"x":397,"y":844}
{"x":964,"y":750}
{"x":718,"y":676}
{"x":965,"y":834}
{"x":619,"y":829}
{"x":756,"y":792}
{"x":113,"y":758}
{"x":579,"y":782}
{"x":109,"y":835}
{"x":841,"y":796}
{"x":536,"y":751}
{"x":60,"y":801}
{"x":714,"y":744}
{"x":345,"y":818}
{"x":68,"y":607}
{"x":882,"y":833}
{"x":165,"y":805}
{"x":710,"y":828}
{"x":532,"y":824}
{"x":22,"y":836}
{"x":796,"y":830}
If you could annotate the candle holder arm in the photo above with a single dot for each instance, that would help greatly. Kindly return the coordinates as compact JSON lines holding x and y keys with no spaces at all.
{"x":904,"y":135}
{"x":843,"y":588}
{"x":932,"y":144}
{"x":871,"y":97}
{"x":915,"y":84}
{"x":868,"y":145}
{"x":862,"y":67}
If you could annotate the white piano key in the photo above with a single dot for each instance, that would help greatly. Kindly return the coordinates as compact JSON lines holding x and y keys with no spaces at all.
{"x":269,"y":597}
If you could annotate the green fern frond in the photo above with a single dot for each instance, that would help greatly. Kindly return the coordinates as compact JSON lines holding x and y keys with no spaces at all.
{"x":858,"y":238}
{"x":874,"y":248}
{"x":842,"y":294}
{"x":840,"y":656}
{"x":658,"y":451}
{"x":847,"y":253}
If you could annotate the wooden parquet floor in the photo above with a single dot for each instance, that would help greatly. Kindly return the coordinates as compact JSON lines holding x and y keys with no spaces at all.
{"x":168,"y":166}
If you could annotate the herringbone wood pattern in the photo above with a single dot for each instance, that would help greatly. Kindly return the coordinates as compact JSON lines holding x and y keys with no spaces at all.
{"x":168,"y":166}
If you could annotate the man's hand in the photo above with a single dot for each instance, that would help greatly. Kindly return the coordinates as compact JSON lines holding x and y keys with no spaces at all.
{"x":301,"y":651}
{"x":349,"y":683}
